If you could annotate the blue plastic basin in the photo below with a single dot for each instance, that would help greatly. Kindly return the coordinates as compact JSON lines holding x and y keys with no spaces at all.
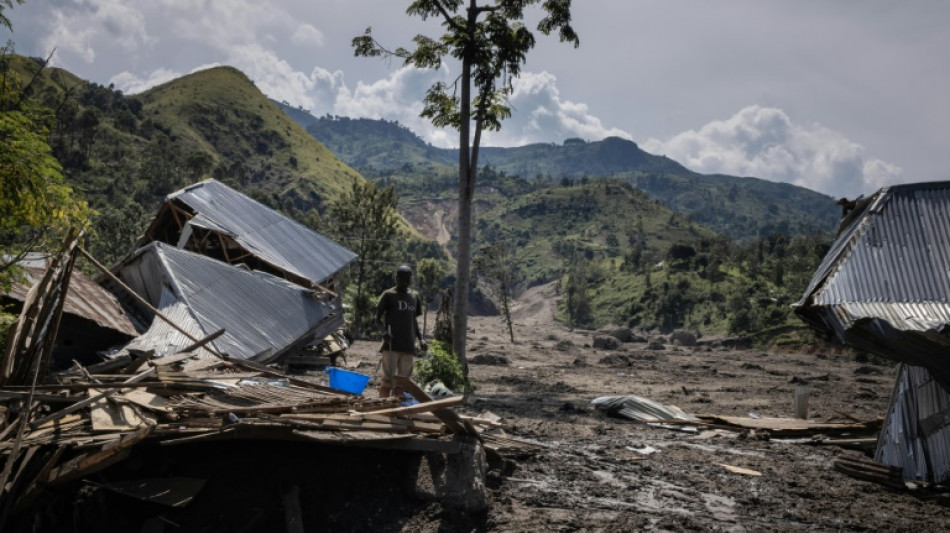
{"x":346,"y":380}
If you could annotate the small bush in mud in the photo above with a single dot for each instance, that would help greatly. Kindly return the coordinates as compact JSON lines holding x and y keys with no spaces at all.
{"x":441,"y":365}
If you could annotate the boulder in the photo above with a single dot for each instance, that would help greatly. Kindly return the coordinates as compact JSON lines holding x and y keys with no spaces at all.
{"x":620,"y":333}
{"x":683,"y":338}
{"x":606,"y":342}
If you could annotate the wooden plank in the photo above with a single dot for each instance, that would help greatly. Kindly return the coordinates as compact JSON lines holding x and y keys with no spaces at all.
{"x":72,"y":408}
{"x":202,"y":342}
{"x":740,"y":470}
{"x":42,"y":398}
{"x":147,"y":400}
{"x":25,"y":459}
{"x":107,"y":415}
{"x":53,"y":433}
{"x":785,"y":424}
{"x":363,"y":426}
{"x":137,"y":363}
{"x":172,"y":359}
{"x":10,"y":427}
{"x":350,"y":437}
{"x":35,"y":488}
{"x":448,"y":417}
{"x":389,"y":442}
{"x":59,"y":423}
{"x":89,"y":463}
{"x":422,"y":407}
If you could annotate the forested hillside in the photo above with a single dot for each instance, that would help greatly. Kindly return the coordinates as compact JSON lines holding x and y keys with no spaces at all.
{"x":629,"y":238}
{"x":741,"y":208}
{"x":123,"y":153}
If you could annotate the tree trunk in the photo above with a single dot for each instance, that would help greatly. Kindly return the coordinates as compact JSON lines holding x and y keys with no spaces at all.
{"x":506,"y":308}
{"x":466,"y":192}
{"x":357,"y":308}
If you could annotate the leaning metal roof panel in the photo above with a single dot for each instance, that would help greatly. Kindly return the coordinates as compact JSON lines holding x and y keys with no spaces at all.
{"x":886,"y":280}
{"x":916,"y":432}
{"x":262,"y":315}
{"x":264,"y":232}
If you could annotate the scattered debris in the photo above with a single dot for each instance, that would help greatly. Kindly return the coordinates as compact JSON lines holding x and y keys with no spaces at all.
{"x":219,"y":286}
{"x":640,"y":409}
{"x":860,"y":468}
{"x":740,"y":470}
{"x":644,"y":450}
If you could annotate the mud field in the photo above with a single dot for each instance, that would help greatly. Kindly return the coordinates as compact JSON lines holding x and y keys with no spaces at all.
{"x":591,"y":473}
{"x":594,"y":473}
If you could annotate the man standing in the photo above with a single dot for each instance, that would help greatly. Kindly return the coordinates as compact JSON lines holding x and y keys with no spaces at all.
{"x":396,"y":314}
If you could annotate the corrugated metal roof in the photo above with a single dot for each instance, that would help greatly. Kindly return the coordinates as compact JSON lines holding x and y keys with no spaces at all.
{"x":85,"y":298}
{"x":884,"y":287}
{"x":263,"y":316}
{"x":886,"y":279}
{"x":264,"y":232}
{"x":916,"y":432}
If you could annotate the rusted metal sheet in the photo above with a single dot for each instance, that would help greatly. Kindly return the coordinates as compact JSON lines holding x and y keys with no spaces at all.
{"x":85,"y":297}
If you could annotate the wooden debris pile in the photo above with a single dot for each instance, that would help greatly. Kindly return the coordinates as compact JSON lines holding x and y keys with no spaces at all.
{"x":87,"y":421}
{"x":56,"y":428}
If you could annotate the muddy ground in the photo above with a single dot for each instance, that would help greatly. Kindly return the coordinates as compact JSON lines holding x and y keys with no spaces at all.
{"x":589,"y":476}
{"x":592,"y":473}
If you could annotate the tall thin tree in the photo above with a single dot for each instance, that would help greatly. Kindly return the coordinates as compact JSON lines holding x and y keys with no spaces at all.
{"x":490,"y":41}
{"x":495,"y":264}
{"x":365,"y":220}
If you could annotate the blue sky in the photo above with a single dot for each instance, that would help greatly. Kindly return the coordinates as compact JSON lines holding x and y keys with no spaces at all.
{"x":840,"y":96}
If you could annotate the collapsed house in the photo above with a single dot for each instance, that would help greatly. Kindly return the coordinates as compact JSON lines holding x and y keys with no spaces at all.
{"x":264,"y":317}
{"x":219,"y":288}
{"x":215,"y":259}
{"x":884,"y":287}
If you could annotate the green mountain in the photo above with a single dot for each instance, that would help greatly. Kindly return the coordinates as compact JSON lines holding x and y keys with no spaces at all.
{"x":220,"y":112}
{"x":741,"y":208}
{"x":378,"y":145}
{"x":627,"y":247}
{"x":125,"y":153}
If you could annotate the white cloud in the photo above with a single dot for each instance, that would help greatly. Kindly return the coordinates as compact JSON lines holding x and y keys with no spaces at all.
{"x":764,"y":142}
{"x":306,"y":34}
{"x":78,"y":28}
{"x":396,"y":97}
{"x":538,"y":112}
{"x":131,"y":83}
{"x":221,"y":25}
{"x":540,"y":115}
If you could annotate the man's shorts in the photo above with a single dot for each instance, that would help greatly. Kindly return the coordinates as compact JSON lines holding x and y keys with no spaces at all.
{"x":396,"y":364}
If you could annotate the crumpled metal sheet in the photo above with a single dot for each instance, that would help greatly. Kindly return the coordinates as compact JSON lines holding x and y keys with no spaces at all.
{"x":264,"y":317}
{"x":916,"y":431}
{"x":640,"y":408}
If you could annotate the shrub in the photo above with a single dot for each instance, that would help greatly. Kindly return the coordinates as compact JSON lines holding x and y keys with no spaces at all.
{"x":441,"y":365}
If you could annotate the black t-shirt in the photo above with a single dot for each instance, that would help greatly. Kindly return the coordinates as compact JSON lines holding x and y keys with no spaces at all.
{"x":399,"y":311}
